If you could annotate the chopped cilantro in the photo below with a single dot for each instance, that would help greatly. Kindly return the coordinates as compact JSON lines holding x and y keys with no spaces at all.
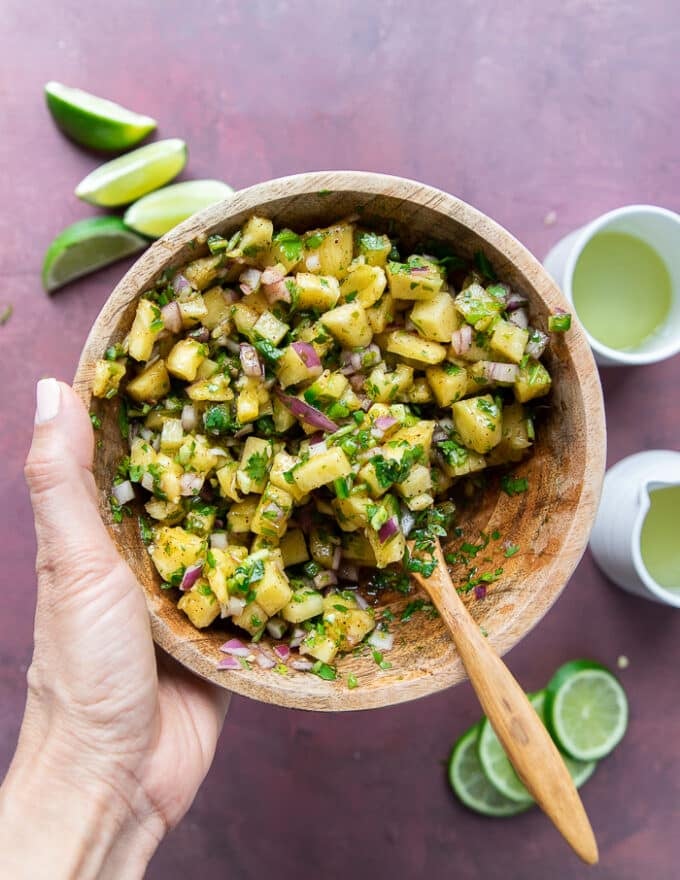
{"x":378,"y":659}
{"x":484,"y":266}
{"x":145,"y":530}
{"x":269,"y":352}
{"x":96,"y":421}
{"x":312,"y":242}
{"x":390,"y":471}
{"x":514,"y":485}
{"x":218,"y":419}
{"x":123,"y":421}
{"x":290,"y":244}
{"x":352,"y":681}
{"x":511,"y":550}
{"x":256,"y":466}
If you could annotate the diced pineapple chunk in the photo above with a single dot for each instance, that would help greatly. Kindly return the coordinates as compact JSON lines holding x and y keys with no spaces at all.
{"x":269,"y":327}
{"x":240,"y":515}
{"x":196,"y":454}
{"x":318,"y":292}
{"x":352,"y":513}
{"x":272,"y":591}
{"x":254,"y":466}
{"x":146,"y":326}
{"x":200,"y":605}
{"x":273,"y":512}
{"x":417,"y":279}
{"x":199,"y":273}
{"x":291,"y":369}
{"x":516,"y":440}
{"x":373,"y":247}
{"x":282,"y":416}
{"x":227,"y":479}
{"x":217,"y":307}
{"x":415,"y":348}
{"x":449,"y":383}
{"x":508,"y":340}
{"x":175,"y":549}
{"x":411,"y":436}
{"x":321,"y":647}
{"x":107,"y":376}
{"x":477,"y":305}
{"x":256,"y":236}
{"x":356,"y":548}
{"x":282,"y":465}
{"x":533,"y":381}
{"x":381,"y":314}
{"x":185,"y":359}
{"x":303,"y":605}
{"x":293,"y":548}
{"x":388,"y":551}
{"x":329,"y":251}
{"x":383,"y":387}
{"x":172,"y":434}
{"x":220,"y":566}
{"x":248,"y":400}
{"x":321,"y":469}
{"x":252,"y":618}
{"x":215,"y":388}
{"x":365,"y":284}
{"x":349,"y":325}
{"x":151,"y":384}
{"x":478,"y":421}
{"x":436,"y":318}
{"x":418,"y":482}
{"x":192,"y":310}
{"x":285,"y":250}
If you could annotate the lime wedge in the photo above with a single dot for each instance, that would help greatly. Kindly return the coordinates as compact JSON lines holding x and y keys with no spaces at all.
{"x":86,"y":246}
{"x":157,"y":213}
{"x":95,"y":122}
{"x":500,"y":771}
{"x":135,"y":174}
{"x":586,"y":709}
{"x":471,"y":785}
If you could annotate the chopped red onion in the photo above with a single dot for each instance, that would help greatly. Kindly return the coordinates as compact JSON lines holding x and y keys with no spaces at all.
{"x":313,"y":262}
{"x":146,"y":434}
{"x":325,"y":579}
{"x":307,"y":413}
{"x":408,"y":520}
{"x":235,"y":648}
{"x":520,"y":318}
{"x":235,"y":606}
{"x":503,"y":374}
{"x":357,"y":383}
{"x":282,"y":651}
{"x":219,"y":540}
{"x":230,"y":344}
{"x":250,"y":360}
{"x":418,"y":270}
{"x":147,"y":482}
{"x":389,"y":529}
{"x":250,"y":280}
{"x":384,"y":423}
{"x":172,"y":316}
{"x":316,"y":440}
{"x":181,"y":285}
{"x":302,"y":665}
{"x":230,"y":296}
{"x":277,"y":292}
{"x":189,"y":418}
{"x":307,"y":354}
{"x":272,"y":274}
{"x":337,"y":558}
{"x":536,"y":344}
{"x":200,"y":334}
{"x":244,"y":431}
{"x":263,"y":661}
{"x":190,"y":484}
{"x":480,"y":591}
{"x":229,"y":663}
{"x":383,"y":641}
{"x":348,"y":572}
{"x":298,"y":635}
{"x":276,"y":627}
{"x":515,"y":301}
{"x":123,"y":492}
{"x":216,"y":450}
{"x":461,"y":340}
{"x":191,"y":574}
{"x":361,"y":602}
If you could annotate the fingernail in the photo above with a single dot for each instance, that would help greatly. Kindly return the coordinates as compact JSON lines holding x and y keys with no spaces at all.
{"x":47,"y":396}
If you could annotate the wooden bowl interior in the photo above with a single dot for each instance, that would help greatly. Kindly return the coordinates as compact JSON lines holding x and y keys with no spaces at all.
{"x":550,"y":522}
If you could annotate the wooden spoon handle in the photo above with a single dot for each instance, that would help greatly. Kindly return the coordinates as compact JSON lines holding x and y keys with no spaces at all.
{"x":526,"y":741}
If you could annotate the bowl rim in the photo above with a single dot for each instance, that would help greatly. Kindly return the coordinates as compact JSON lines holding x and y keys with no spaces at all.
{"x":320,"y":695}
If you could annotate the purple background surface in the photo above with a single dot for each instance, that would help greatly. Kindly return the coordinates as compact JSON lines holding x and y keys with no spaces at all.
{"x":532,"y":112}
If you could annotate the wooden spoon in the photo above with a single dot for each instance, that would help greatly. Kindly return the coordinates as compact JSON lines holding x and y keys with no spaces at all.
{"x":516,"y":723}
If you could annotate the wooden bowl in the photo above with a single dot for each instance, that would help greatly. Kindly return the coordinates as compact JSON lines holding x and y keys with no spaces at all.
{"x":550,"y":522}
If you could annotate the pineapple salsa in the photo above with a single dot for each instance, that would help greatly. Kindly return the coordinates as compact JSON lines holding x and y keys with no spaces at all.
{"x":296,"y":406}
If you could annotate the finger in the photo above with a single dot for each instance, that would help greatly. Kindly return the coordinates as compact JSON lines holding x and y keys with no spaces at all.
{"x":71,"y":536}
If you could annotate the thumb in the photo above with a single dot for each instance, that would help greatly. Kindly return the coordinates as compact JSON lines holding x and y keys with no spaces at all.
{"x":72,"y":539}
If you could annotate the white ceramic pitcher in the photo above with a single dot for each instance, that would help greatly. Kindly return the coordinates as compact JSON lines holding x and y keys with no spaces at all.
{"x":625,"y":502}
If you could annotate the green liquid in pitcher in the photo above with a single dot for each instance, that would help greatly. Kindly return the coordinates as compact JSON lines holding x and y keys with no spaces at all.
{"x":659,"y":542}
{"x":622,"y":290}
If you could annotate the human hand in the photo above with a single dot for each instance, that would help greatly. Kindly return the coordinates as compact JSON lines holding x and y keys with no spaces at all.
{"x":115,"y":739}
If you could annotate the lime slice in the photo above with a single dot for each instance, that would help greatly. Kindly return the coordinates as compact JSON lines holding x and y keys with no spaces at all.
{"x":86,"y":246}
{"x":95,"y":122}
{"x":472,"y":786}
{"x":135,"y":174}
{"x":586,"y":709}
{"x":500,"y":771}
{"x":157,"y":213}
{"x":580,"y":771}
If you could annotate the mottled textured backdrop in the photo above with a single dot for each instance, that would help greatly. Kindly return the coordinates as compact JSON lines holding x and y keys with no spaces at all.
{"x":541,"y":114}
